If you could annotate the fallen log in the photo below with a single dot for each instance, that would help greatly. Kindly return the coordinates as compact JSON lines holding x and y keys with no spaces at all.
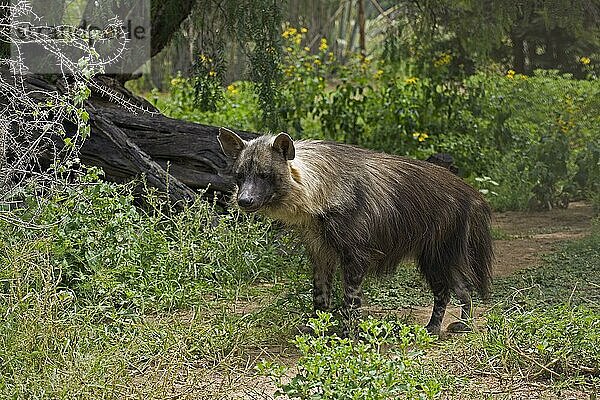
{"x":130,"y":138}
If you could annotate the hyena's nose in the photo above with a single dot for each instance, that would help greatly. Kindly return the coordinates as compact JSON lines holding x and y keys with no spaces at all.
{"x":245,"y":201}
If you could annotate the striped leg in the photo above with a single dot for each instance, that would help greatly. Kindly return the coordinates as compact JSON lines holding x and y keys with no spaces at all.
{"x":353,"y":275}
{"x":325,"y":262}
{"x":441,"y":296}
{"x":464,"y":296}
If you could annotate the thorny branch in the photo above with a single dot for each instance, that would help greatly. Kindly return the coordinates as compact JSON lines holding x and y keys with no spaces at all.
{"x":33,"y":116}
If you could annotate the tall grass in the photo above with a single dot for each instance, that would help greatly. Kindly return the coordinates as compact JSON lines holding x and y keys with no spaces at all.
{"x":105,"y":292}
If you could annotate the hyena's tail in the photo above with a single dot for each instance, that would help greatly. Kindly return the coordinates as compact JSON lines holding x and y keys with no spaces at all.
{"x":481,"y":251}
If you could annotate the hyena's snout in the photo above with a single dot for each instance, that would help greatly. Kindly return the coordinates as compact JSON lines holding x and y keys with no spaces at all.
{"x":246,"y":200}
{"x":251,"y":196}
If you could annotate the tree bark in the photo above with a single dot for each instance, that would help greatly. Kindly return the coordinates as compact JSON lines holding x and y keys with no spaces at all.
{"x":176,"y":156}
{"x":167,"y":16}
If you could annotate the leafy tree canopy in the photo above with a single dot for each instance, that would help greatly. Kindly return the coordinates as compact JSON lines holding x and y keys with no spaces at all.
{"x":525,"y":34}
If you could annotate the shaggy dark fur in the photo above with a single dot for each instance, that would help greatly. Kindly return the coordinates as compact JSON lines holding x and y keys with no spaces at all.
{"x":366,"y":211}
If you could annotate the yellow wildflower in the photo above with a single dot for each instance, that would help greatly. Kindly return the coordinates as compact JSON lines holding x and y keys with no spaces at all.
{"x":289,"y":71}
{"x":510,"y":73}
{"x":212,"y":73}
{"x":289,"y":32}
{"x":378,"y":74}
{"x":442,"y":60}
{"x":317,"y":61}
{"x":232,"y":89}
{"x":564,"y":125}
{"x":289,"y":49}
{"x":420,"y":136}
{"x":303,"y":30}
{"x":411,"y":80}
{"x":585,"y":60}
{"x":307,"y":48}
{"x":323,"y":45}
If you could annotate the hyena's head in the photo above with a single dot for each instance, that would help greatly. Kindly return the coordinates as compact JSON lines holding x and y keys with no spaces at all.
{"x":260,"y":168}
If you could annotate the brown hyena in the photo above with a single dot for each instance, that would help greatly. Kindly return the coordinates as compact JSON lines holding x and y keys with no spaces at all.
{"x":366,"y":211}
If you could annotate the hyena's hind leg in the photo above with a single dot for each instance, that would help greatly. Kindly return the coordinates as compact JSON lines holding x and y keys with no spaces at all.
{"x":441,"y":298}
{"x":463,"y":294}
{"x":439,"y":282}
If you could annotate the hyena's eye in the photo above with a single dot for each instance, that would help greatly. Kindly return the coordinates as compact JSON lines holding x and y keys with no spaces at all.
{"x":239,"y":177}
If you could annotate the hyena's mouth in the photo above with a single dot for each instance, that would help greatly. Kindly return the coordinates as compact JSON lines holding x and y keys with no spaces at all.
{"x":250,"y":209}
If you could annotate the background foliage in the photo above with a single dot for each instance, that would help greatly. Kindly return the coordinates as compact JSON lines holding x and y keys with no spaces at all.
{"x":536,"y":136}
{"x":509,"y":90}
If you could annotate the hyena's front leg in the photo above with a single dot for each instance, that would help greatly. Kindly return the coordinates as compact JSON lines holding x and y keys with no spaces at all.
{"x":353,"y":274}
{"x":325,"y":261}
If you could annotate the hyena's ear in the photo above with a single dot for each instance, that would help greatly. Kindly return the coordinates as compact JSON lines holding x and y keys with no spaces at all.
{"x":284,"y":145}
{"x":231,"y":144}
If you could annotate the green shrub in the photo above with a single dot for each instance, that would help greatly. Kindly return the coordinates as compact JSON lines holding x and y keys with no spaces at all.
{"x":102,"y":299}
{"x":107,"y":251}
{"x":237,"y":106}
{"x":333,"y":368}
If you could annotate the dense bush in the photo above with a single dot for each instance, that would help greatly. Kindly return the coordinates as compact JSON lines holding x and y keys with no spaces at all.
{"x":238,"y":105}
{"x":105,"y":250}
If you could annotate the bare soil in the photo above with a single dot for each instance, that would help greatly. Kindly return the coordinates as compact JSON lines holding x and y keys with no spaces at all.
{"x":531,"y":235}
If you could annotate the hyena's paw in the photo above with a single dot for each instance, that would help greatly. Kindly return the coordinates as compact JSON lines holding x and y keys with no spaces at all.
{"x":459,"y":327}
{"x":433,"y":330}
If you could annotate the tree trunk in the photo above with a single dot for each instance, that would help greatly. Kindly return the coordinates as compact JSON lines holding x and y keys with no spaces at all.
{"x":361,"y":29}
{"x":175,"y":156}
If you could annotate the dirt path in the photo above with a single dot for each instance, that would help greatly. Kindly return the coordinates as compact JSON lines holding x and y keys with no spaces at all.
{"x":531,"y":235}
